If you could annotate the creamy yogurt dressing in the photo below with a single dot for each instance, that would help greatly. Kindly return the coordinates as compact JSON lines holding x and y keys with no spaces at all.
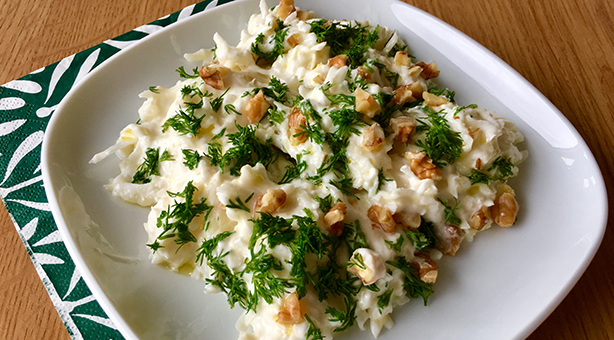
{"x":223,"y":207}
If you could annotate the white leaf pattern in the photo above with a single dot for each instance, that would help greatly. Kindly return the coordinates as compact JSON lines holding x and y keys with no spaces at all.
{"x":25,"y":86}
{"x":71,"y":305}
{"x":186,"y":12}
{"x":87,"y":66}
{"x":6,"y":191}
{"x":211,"y":5}
{"x":148,"y":29}
{"x":29,"y":229}
{"x":76,"y":276}
{"x":38,"y":71}
{"x":11,"y":103}
{"x":97,"y":319}
{"x":44,"y":258}
{"x":28,"y":144}
{"x":8,"y":127}
{"x":119,"y":44}
{"x":45,"y":111}
{"x":54,"y":237}
{"x":60,"y":69}
{"x":43,"y":206}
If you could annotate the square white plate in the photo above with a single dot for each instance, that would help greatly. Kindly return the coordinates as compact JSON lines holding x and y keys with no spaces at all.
{"x":501,"y":286}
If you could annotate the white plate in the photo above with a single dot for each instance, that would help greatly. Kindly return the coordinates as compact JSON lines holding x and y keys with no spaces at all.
{"x":501,"y":286}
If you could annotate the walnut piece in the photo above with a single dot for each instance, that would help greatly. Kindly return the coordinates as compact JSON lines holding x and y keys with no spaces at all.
{"x":449,"y":239}
{"x":256,"y":108}
{"x":402,"y":59}
{"x":290,"y":312}
{"x":407,"y":220}
{"x":212,"y":76}
{"x":428,"y":71}
{"x":271,"y":201}
{"x":480,"y":218}
{"x":367,"y":265}
{"x":296,"y":126}
{"x":334,"y":219}
{"x":505,"y":209}
{"x":365,"y":103}
{"x":338,"y":61}
{"x":433,"y":100}
{"x":373,"y":138}
{"x":363,"y":73}
{"x":407,"y":93}
{"x":422,"y":166}
{"x":402,"y":127}
{"x":381,"y":218}
{"x":427,"y":269}
{"x":294,"y":40}
{"x":285,"y":8}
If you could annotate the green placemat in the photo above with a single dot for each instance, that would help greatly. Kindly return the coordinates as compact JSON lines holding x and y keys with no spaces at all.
{"x":26,"y":104}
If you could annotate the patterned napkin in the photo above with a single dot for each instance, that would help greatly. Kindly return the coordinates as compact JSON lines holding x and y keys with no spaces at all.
{"x":26,"y":104}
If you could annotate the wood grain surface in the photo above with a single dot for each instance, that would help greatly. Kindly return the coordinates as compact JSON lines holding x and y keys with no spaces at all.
{"x":565,"y":48}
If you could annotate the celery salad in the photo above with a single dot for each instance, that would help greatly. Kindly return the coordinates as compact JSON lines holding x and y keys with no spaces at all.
{"x":314,"y":173}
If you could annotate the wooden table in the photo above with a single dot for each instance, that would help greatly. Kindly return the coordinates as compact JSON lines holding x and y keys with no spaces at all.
{"x":564,"y":48}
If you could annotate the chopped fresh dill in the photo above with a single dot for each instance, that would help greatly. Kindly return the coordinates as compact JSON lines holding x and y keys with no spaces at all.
{"x":175,"y":221}
{"x":149,"y":166}
{"x":444,"y":92}
{"x":325,"y":203}
{"x":313,"y":333}
{"x":504,"y":168}
{"x":154,"y":89}
{"x":246,"y":149}
{"x":384,"y":300}
{"x":357,"y":261}
{"x":346,"y":318}
{"x":239,"y":204}
{"x":184,"y":74}
{"x":190,"y":158}
{"x":216,"y":103}
{"x":479,"y":177}
{"x":349,"y":38}
{"x":381,"y":178}
{"x":450,"y":212}
{"x":275,"y":116}
{"x":441,"y":143}
{"x":461,"y":108}
{"x":294,"y":170}
{"x":184,"y":122}
{"x":414,"y":286}
{"x":277,"y":39}
{"x":231,"y":108}
{"x":396,"y":246}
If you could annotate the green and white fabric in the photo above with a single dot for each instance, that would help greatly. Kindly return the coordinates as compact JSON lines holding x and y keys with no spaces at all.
{"x":26,"y":105}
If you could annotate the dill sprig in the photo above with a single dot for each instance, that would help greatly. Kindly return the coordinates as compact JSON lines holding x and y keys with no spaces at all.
{"x":277,"y":39}
{"x":294,"y":170}
{"x":349,"y":38}
{"x":449,"y":213}
{"x":190,"y":158}
{"x":239,"y":204}
{"x":504,"y":168}
{"x":441,"y":143}
{"x":149,"y":166}
{"x":183,"y":74}
{"x":414,"y":286}
{"x":246,"y":149}
{"x":175,"y":221}
{"x":477,"y":176}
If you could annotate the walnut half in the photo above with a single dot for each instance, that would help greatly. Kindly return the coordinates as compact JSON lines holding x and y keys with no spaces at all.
{"x":381,"y":218}
{"x":422,"y":166}
{"x":271,"y":201}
